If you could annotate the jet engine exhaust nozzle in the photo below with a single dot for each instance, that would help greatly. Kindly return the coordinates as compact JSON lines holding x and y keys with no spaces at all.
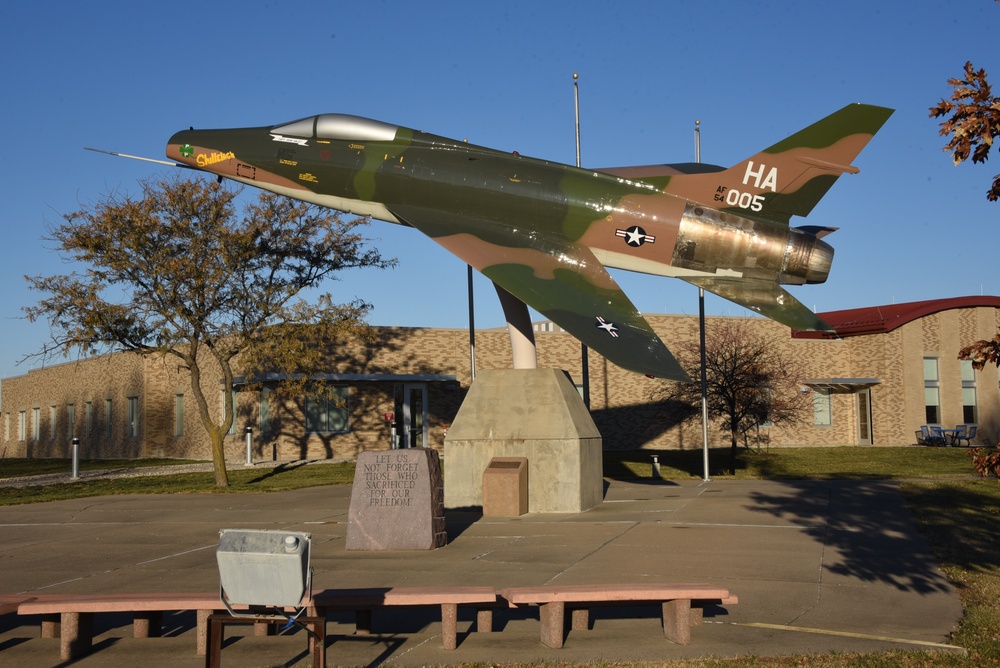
{"x":807,"y":259}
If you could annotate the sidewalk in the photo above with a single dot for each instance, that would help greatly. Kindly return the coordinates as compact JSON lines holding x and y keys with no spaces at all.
{"x":818,"y":567}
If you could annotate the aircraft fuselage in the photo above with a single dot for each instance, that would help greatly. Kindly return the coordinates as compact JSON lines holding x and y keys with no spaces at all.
{"x":545,"y":232}
{"x":386,"y":171}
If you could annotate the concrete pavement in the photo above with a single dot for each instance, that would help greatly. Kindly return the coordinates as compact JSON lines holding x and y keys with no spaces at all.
{"x":818,"y":567}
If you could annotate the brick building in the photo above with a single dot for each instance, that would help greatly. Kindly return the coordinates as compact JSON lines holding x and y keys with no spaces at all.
{"x":890,"y":370}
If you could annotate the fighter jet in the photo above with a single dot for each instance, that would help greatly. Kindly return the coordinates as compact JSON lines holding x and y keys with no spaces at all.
{"x":545,"y":231}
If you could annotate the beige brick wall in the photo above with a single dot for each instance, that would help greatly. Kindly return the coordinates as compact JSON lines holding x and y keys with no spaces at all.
{"x":99,"y":383}
{"x":621,"y":402}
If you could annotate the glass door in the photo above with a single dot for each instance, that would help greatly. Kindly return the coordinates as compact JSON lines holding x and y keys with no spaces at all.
{"x":865,"y":417}
{"x":411,"y":415}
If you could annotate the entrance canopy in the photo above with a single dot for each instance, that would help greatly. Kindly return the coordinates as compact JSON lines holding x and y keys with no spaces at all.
{"x":355,"y":378}
{"x":844,"y":385}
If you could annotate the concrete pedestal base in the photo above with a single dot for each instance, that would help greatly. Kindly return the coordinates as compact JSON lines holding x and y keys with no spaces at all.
{"x":532,"y":413}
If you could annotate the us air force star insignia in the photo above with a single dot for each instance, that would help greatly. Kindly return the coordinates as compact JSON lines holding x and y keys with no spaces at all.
{"x":608,"y":327}
{"x":635,"y":236}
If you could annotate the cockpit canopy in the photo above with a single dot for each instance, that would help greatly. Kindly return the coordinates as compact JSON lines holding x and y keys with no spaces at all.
{"x":342,"y":127}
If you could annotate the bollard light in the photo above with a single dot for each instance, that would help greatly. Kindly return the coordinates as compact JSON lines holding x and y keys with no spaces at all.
{"x":656,"y":467}
{"x":249,"y":432}
{"x":75,"y":474}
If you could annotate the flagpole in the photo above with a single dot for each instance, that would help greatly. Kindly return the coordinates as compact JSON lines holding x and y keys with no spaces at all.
{"x":701,"y":335}
{"x":584,"y":353}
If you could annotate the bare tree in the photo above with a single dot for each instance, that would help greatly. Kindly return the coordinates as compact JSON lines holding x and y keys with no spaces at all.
{"x":750,"y":381}
{"x":177,"y":272}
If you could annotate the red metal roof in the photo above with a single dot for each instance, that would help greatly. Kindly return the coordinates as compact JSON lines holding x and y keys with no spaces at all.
{"x":882,"y":319}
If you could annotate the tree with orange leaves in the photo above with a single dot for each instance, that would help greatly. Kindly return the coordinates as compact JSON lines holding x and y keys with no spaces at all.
{"x":974,"y":120}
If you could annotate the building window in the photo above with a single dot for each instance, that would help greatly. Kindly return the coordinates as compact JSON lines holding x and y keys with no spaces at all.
{"x":970,"y":412}
{"x":70,"y":420}
{"x":327,"y":413}
{"x":108,"y":429}
{"x":88,"y":417}
{"x":52,"y":423}
{"x":932,"y":391}
{"x":36,"y":423}
{"x":765,"y":401}
{"x":178,"y":415}
{"x":21,"y":426}
{"x":222,"y":412}
{"x":132,"y":417}
{"x":822,"y":407}
{"x":6,"y":427}
{"x":264,"y":411}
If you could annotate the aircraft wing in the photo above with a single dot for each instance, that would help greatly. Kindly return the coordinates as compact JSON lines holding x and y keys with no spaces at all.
{"x":559,"y":279}
{"x":764,"y":297}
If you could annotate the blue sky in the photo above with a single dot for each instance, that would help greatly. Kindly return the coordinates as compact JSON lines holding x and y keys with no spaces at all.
{"x":124,"y":76}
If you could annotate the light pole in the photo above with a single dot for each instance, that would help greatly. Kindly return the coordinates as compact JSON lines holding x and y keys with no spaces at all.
{"x":584,"y":353}
{"x":701,"y":335}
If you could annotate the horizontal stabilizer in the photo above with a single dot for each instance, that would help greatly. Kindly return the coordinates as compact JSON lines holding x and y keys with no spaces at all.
{"x":764,"y":297}
{"x":818,"y":231}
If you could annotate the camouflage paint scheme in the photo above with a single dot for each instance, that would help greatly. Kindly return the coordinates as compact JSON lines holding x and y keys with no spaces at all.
{"x":545,"y":231}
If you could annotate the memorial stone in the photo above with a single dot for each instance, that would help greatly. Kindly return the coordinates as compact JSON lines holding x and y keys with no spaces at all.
{"x":397,"y":501}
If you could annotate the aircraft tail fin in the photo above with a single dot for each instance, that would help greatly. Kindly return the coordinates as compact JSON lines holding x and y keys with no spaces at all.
{"x":790,"y":177}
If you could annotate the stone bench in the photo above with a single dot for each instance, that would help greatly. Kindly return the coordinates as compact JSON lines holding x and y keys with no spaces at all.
{"x":70,"y":616}
{"x":681,"y":605}
{"x":363,"y":601}
{"x":10,"y":602}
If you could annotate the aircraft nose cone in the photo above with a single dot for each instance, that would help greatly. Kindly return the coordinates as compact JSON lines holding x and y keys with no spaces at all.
{"x":181,"y":148}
